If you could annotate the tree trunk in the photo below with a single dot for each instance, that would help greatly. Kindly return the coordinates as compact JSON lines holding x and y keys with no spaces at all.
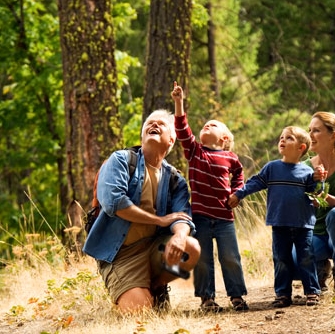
{"x":92,"y":120}
{"x":168,"y":57}
{"x":211,"y":51}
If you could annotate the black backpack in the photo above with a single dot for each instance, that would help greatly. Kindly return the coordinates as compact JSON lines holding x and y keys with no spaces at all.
{"x":92,"y":215}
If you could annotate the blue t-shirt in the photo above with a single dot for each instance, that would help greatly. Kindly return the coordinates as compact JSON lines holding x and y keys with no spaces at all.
{"x":287,"y":203}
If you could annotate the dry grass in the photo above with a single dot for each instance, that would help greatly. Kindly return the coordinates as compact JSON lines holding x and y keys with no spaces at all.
{"x":37,"y":297}
{"x":42,"y":298}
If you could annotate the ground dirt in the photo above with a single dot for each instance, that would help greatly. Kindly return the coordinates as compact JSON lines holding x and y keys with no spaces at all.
{"x":185,"y":316}
{"x":263,"y":318}
{"x":29,"y":306}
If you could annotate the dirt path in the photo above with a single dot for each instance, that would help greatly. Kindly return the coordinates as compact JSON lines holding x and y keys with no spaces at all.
{"x":262,"y":318}
{"x":185,"y":317}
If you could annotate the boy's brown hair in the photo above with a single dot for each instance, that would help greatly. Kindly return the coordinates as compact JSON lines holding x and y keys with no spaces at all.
{"x":301,"y":135}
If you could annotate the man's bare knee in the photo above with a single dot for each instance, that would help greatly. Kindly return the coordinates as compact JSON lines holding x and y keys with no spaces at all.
{"x":193,"y":249}
{"x":135,"y":300}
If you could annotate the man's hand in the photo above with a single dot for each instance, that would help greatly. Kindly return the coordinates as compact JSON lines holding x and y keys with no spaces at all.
{"x":167,"y":220}
{"x":135,"y":214}
{"x":175,"y":248}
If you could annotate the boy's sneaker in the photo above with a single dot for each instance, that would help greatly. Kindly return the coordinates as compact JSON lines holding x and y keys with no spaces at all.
{"x":282,"y":301}
{"x":209,"y":305}
{"x":239,"y":304}
{"x":162,"y":298}
{"x":312,"y":299}
{"x":324,"y":273}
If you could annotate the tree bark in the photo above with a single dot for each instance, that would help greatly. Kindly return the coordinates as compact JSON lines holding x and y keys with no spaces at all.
{"x":168,"y":57}
{"x":89,"y":75}
{"x":211,"y":51}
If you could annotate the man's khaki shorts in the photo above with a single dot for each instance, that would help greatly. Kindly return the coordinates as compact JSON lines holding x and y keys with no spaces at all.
{"x":135,"y":266}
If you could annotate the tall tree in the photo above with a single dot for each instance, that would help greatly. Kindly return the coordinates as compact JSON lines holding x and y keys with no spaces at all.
{"x":211,"y":51}
{"x":90,"y":99}
{"x":168,"y":57}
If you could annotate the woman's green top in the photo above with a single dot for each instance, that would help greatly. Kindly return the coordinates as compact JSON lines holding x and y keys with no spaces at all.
{"x":321,"y":213}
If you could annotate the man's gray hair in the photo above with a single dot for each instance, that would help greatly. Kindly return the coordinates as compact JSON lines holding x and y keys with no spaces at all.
{"x":165,"y":115}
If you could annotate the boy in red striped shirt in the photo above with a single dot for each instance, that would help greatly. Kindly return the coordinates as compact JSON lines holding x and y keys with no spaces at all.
{"x":214,"y":173}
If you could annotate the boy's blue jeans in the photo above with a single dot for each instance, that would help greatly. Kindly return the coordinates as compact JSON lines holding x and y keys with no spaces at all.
{"x":228,"y":254}
{"x":330,"y":223}
{"x":283,"y":239}
{"x":323,"y":250}
{"x":323,"y":245}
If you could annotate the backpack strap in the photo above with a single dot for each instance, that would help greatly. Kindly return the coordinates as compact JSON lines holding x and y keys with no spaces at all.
{"x":132,"y":159}
{"x":132,"y":163}
{"x":95,"y":202}
{"x":173,"y":183}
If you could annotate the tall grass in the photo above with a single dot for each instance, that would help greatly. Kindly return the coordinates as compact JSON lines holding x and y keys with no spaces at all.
{"x":254,"y":236}
{"x":48,"y":291}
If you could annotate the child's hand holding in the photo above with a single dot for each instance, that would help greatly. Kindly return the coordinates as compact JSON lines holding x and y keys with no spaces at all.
{"x":233,"y":201}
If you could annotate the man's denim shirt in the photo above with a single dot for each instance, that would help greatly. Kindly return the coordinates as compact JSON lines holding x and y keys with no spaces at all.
{"x":116,"y":191}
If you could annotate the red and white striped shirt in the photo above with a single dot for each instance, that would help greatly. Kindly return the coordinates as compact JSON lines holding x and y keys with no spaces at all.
{"x":213,"y":174}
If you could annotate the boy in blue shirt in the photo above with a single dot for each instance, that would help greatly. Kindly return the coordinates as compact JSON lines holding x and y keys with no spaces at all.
{"x":290,"y":213}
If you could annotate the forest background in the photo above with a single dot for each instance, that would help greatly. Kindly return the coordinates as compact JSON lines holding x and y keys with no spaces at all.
{"x":78,"y":77}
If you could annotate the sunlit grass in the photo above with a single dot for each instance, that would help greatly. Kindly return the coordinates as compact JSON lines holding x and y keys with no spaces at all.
{"x":64,"y":294}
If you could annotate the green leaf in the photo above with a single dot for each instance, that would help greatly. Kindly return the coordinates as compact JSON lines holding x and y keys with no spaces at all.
{"x":318,"y":195}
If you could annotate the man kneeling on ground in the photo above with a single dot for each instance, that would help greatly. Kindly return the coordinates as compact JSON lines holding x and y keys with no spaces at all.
{"x":138,"y":214}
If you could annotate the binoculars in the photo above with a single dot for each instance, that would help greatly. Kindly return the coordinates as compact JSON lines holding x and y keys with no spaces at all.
{"x":175,"y":269}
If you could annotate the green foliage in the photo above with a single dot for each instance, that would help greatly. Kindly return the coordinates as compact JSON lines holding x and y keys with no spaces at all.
{"x":264,"y":134}
{"x":200,"y":15}
{"x":274,"y":67}
{"x":124,"y":63}
{"x":71,"y":294}
{"x":295,"y":37}
{"x":123,"y":13}
{"x":32,"y":121}
{"x":320,"y":193}
{"x":132,"y":128}
{"x":32,"y":234}
{"x":31,"y":112}
{"x":244,"y":95}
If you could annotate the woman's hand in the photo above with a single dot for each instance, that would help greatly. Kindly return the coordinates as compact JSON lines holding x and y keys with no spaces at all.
{"x":320,"y":174}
